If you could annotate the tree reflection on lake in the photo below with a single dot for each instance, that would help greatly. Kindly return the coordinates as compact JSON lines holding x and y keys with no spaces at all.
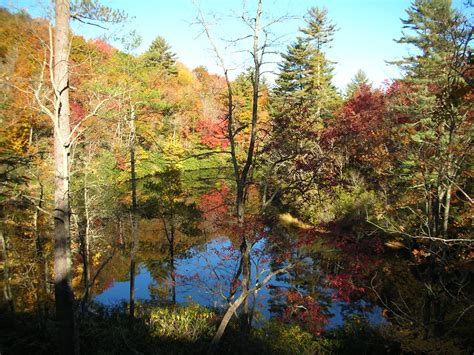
{"x":204,"y":275}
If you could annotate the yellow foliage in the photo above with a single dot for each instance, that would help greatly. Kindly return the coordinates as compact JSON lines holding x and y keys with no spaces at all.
{"x":18,"y":136}
{"x":289,"y":221}
{"x":184,"y":323}
{"x":173,"y":150}
{"x":96,"y":258}
{"x":76,"y":281}
{"x":394,"y":244}
{"x":185,"y":76}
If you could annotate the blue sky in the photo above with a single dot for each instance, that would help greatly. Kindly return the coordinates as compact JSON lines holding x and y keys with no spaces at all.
{"x":365,"y":40}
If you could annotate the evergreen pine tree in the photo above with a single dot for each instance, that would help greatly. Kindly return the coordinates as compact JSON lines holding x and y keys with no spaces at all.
{"x":435,"y":101}
{"x":302,"y":102}
{"x":294,"y":71}
{"x":319,"y":29}
{"x":356,"y":82}
{"x":306,"y":74}
{"x":160,"y":55}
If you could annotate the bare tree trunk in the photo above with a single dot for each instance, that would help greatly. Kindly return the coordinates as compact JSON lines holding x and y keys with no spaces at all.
{"x":439,"y":210}
{"x":7,"y":290}
{"x":242,"y":183}
{"x":173,"y":274}
{"x":62,"y":258}
{"x":120,"y":231}
{"x":170,"y":233}
{"x":84,"y":232}
{"x":447,"y":207}
{"x":241,"y":176}
{"x":245,"y":258}
{"x":226,"y":319}
{"x":245,"y":323}
{"x":426,"y":314}
{"x":233,"y":307}
{"x":133,"y":217}
{"x":42,"y":262}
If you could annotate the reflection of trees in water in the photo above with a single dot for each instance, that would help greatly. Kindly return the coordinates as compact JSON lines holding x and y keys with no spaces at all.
{"x":169,"y":201}
{"x":160,"y":271}
{"x":306,"y":279}
{"x":398,"y":288}
{"x":328,"y":278}
{"x":159,"y":253}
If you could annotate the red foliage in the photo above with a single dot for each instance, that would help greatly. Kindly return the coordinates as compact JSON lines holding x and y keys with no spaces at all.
{"x":77,"y":113}
{"x":362,"y":129}
{"x":306,"y":312}
{"x":108,"y":283}
{"x":213,"y":204}
{"x":400,"y":92}
{"x":344,"y":287}
{"x":360,"y":118}
{"x":253,"y":228}
{"x":226,"y":253}
{"x":213,"y":134}
{"x":360,"y":258}
{"x":103,"y":47}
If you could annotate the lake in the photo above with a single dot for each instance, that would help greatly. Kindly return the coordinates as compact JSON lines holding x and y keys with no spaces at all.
{"x":204,"y":275}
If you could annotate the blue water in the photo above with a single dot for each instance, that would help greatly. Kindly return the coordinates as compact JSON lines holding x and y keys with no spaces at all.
{"x":205,"y":277}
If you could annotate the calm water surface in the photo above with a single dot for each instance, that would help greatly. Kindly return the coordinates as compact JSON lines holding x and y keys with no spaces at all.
{"x":204,"y":275}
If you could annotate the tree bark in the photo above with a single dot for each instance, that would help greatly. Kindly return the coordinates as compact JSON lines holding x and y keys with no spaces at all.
{"x":233,"y":307}
{"x":133,"y":215}
{"x":42,"y":291}
{"x":62,"y":257}
{"x":447,"y":207}
{"x":120,"y":231}
{"x":173,"y":274}
{"x":170,"y":233}
{"x":245,"y":320}
{"x":7,"y":291}
{"x":241,"y":176}
{"x":84,"y":231}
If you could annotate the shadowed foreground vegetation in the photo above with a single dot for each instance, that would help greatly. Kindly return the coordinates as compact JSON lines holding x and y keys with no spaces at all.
{"x":188,"y":330}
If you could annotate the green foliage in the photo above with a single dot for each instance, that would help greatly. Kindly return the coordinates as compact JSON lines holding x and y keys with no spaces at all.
{"x":441,"y":36}
{"x":319,"y":28}
{"x":305,"y":73}
{"x":357,"y":336}
{"x":356,"y":82}
{"x":427,"y":146}
{"x":303,"y":103}
{"x":294,"y":71}
{"x":279,"y":338}
{"x":190,"y":324}
{"x":159,"y":55}
{"x":347,"y":204}
{"x":434,"y":99}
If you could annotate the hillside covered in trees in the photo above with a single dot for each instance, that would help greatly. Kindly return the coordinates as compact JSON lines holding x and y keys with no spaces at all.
{"x":146,"y":207}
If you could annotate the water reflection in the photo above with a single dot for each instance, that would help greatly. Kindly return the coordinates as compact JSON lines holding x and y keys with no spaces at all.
{"x":204,"y":275}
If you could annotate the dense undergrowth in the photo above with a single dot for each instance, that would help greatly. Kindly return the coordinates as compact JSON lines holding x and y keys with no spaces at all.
{"x":187,"y":330}
{"x":167,"y":329}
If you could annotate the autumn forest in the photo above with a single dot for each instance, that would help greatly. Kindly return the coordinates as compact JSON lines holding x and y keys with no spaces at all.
{"x":150,"y":208}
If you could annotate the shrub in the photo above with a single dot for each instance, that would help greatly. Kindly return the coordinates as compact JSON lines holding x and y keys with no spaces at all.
{"x":190,"y":324}
{"x":281,"y":338}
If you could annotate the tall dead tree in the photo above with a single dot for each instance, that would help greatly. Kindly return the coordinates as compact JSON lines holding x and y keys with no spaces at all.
{"x":62,"y":233}
{"x":242,"y":169}
{"x":56,"y":106}
{"x":133,"y":215}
